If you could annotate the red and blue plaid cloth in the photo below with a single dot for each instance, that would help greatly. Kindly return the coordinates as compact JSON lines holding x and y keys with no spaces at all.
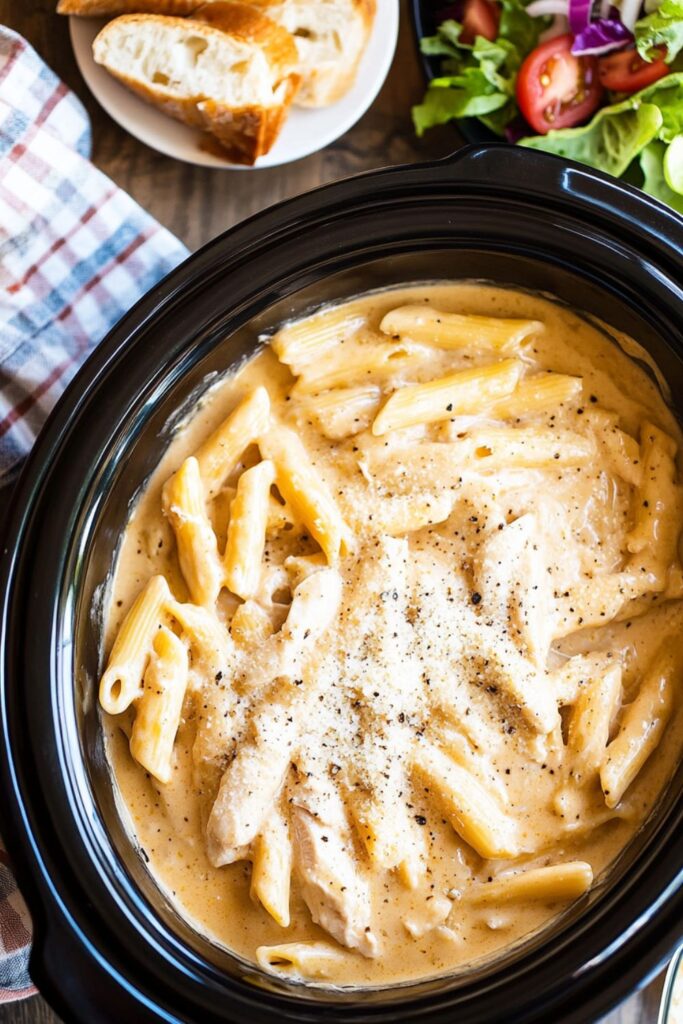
{"x":75,"y":253}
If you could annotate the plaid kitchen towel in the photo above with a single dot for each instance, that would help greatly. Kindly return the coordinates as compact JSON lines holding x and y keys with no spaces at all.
{"x":75,"y":253}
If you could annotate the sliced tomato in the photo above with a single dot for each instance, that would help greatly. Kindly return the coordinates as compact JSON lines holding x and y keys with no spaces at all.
{"x":480,"y":18}
{"x":555,"y":89}
{"x":626,"y":71}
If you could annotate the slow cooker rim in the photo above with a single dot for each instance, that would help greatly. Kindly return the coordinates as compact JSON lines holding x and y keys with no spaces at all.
{"x":170,"y":288}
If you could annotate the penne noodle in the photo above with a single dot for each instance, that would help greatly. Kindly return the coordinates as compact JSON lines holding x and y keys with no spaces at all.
{"x":657,"y":506}
{"x":621,"y":451}
{"x":250,"y":624}
{"x":353,"y":364}
{"x":299,"y":344}
{"x":544,"y":392}
{"x":219,"y":454}
{"x":183,"y":504}
{"x":599,"y":600}
{"x":272,"y":868}
{"x":121,"y":683}
{"x":590,"y":722}
{"x":576,"y":673}
{"x":305,"y":491}
{"x":430,"y":326}
{"x":158,"y":710}
{"x":471,"y":810}
{"x":641,"y":727}
{"x":344,"y":411}
{"x":556,"y":883}
{"x":210,"y":643}
{"x":299,"y":960}
{"x":466,"y":391}
{"x":246,"y":539}
{"x":406,"y":513}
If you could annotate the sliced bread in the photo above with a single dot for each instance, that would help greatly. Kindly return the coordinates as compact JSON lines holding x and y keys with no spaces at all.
{"x":330,"y":37}
{"x":228,"y":70}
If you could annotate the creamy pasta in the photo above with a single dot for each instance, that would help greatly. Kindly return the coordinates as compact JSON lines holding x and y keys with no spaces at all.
{"x":394,"y":642}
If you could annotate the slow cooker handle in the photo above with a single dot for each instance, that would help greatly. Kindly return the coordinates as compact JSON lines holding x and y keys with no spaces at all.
{"x":500,"y":167}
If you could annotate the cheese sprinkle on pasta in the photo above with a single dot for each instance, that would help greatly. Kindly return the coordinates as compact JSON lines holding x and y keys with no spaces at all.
{"x":404,"y":676}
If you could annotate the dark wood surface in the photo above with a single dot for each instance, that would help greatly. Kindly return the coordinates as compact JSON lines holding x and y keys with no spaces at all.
{"x":198,"y":203}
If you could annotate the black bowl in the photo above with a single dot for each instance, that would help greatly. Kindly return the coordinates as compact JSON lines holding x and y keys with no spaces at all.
{"x":423,"y":17}
{"x":108,"y":946}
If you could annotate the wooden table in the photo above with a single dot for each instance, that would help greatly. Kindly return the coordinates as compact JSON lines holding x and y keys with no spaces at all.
{"x":197,"y":204}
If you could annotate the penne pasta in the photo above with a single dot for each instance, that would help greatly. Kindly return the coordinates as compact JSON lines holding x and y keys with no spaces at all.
{"x":590,"y":722}
{"x":353,"y":364}
{"x":599,"y":600}
{"x":301,"y":343}
{"x":305,"y":491}
{"x":472,"y":812}
{"x":250,"y":624}
{"x":466,"y":391}
{"x":299,"y":960}
{"x":657,"y":506}
{"x":247,"y":530}
{"x":621,"y":451}
{"x":158,"y":710}
{"x":578,"y":672}
{"x":641,"y":727}
{"x":417,"y":685}
{"x":405,"y":513}
{"x":556,"y":883}
{"x":272,"y":868}
{"x":431,"y":326}
{"x":183,"y":504}
{"x":544,"y":392}
{"x":210,"y":643}
{"x":121,"y":683}
{"x":218,"y":455}
{"x":344,"y":411}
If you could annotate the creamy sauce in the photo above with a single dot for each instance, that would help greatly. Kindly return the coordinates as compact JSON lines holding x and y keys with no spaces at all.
{"x":583,"y":516}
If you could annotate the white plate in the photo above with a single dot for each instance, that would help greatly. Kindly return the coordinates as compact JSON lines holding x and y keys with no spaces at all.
{"x":304,"y":132}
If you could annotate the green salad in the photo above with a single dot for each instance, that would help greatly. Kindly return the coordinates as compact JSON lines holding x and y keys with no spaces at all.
{"x":585,"y":79}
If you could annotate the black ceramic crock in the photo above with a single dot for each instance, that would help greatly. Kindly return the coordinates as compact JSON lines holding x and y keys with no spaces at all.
{"x":108,"y":947}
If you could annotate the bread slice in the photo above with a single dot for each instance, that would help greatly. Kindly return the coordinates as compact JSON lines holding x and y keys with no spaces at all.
{"x":330,"y":37}
{"x":97,"y":8}
{"x":228,"y":70}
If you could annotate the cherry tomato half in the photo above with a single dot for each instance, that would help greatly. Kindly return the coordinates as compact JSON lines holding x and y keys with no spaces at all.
{"x":555,"y":89}
{"x":626,"y":71}
{"x":480,"y":18}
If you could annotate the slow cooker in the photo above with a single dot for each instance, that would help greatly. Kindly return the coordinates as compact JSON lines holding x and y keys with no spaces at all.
{"x":108,"y":945}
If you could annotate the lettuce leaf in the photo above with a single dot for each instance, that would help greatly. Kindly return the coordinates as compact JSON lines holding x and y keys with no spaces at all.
{"x":610,"y":142}
{"x":478,"y":79}
{"x":651,"y":164}
{"x":618,"y":133}
{"x":664,"y":27}
{"x":468,"y":95}
{"x":667,"y":94}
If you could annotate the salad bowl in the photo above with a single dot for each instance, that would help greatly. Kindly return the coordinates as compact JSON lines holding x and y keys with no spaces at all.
{"x":582,"y":79}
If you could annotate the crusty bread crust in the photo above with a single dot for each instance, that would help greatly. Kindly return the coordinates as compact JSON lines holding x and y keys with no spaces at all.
{"x":244,"y":22}
{"x":100,"y":8}
{"x":246,"y":132}
{"x":322,"y":86}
